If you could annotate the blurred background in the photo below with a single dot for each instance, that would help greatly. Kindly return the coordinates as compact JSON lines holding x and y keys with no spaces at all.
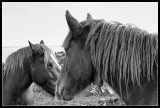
{"x":35,"y":21}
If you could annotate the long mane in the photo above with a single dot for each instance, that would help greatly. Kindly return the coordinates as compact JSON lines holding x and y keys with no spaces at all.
{"x":15,"y":61}
{"x":125,"y":51}
{"x":18,"y":59}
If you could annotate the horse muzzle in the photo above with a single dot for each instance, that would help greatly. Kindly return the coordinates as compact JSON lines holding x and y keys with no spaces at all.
{"x":67,"y":98}
{"x":62,"y":95}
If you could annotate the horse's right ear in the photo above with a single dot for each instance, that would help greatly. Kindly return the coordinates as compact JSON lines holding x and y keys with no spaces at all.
{"x":42,"y":42}
{"x":31,"y":45}
{"x":73,"y":24}
{"x":89,"y":17}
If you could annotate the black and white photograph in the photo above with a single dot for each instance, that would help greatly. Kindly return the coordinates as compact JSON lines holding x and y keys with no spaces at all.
{"x":79,"y":53}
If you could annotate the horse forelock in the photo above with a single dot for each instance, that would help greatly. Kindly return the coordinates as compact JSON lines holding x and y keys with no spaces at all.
{"x":123,"y":49}
{"x":42,"y":48}
{"x":49,"y":53}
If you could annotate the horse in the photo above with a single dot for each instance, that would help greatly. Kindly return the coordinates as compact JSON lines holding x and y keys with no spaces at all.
{"x":123,"y":55}
{"x":24,"y":66}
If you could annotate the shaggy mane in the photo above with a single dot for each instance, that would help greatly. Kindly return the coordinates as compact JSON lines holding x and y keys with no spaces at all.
{"x":125,"y":51}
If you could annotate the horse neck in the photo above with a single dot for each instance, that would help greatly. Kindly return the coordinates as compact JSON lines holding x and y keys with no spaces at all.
{"x":27,"y":97}
{"x":14,"y":92}
{"x":134,"y":92}
{"x":15,"y":85}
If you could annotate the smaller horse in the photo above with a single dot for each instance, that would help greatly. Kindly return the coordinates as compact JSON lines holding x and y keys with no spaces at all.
{"x":24,"y":66}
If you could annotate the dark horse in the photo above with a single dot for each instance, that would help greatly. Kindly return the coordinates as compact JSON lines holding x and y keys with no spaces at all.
{"x":124,"y":56}
{"x":24,"y":66}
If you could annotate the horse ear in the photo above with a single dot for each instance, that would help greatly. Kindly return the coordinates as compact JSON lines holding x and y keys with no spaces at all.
{"x":42,"y":42}
{"x":89,"y":17}
{"x":31,"y":45}
{"x":73,"y":24}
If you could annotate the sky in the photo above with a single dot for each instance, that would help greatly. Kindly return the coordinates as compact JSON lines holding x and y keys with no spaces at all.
{"x":36,"y":21}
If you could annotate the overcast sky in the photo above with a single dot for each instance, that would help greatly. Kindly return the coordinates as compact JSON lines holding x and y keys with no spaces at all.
{"x":46,"y":21}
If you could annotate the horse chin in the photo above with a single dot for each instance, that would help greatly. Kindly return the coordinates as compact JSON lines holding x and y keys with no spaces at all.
{"x":67,"y":98}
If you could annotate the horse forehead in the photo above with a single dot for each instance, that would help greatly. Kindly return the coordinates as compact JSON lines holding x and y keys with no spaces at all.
{"x":52,"y":55}
{"x":48,"y":53}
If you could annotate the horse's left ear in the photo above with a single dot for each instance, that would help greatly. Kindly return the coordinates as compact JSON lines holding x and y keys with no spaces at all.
{"x":42,"y":42}
{"x":31,"y":45}
{"x":73,"y":24}
{"x":89,"y":17}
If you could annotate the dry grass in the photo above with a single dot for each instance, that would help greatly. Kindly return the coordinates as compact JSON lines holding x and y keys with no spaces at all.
{"x":42,"y":98}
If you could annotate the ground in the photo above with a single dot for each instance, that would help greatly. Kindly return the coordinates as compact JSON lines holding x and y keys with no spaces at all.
{"x":42,"y":98}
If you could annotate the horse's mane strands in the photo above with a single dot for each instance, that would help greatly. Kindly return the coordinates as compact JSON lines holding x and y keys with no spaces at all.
{"x":15,"y":61}
{"x":3,"y":71}
{"x":67,"y":41}
{"x":123,"y":48}
{"x":47,"y":51}
{"x":125,"y":51}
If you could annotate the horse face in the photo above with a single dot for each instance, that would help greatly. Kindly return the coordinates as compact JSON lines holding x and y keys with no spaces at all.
{"x":43,"y":73}
{"x":77,"y":71}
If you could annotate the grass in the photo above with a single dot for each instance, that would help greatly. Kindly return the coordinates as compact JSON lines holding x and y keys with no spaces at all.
{"x":42,"y":98}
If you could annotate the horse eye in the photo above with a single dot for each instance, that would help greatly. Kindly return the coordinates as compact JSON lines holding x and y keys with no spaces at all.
{"x":49,"y":64}
{"x":65,"y":49}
